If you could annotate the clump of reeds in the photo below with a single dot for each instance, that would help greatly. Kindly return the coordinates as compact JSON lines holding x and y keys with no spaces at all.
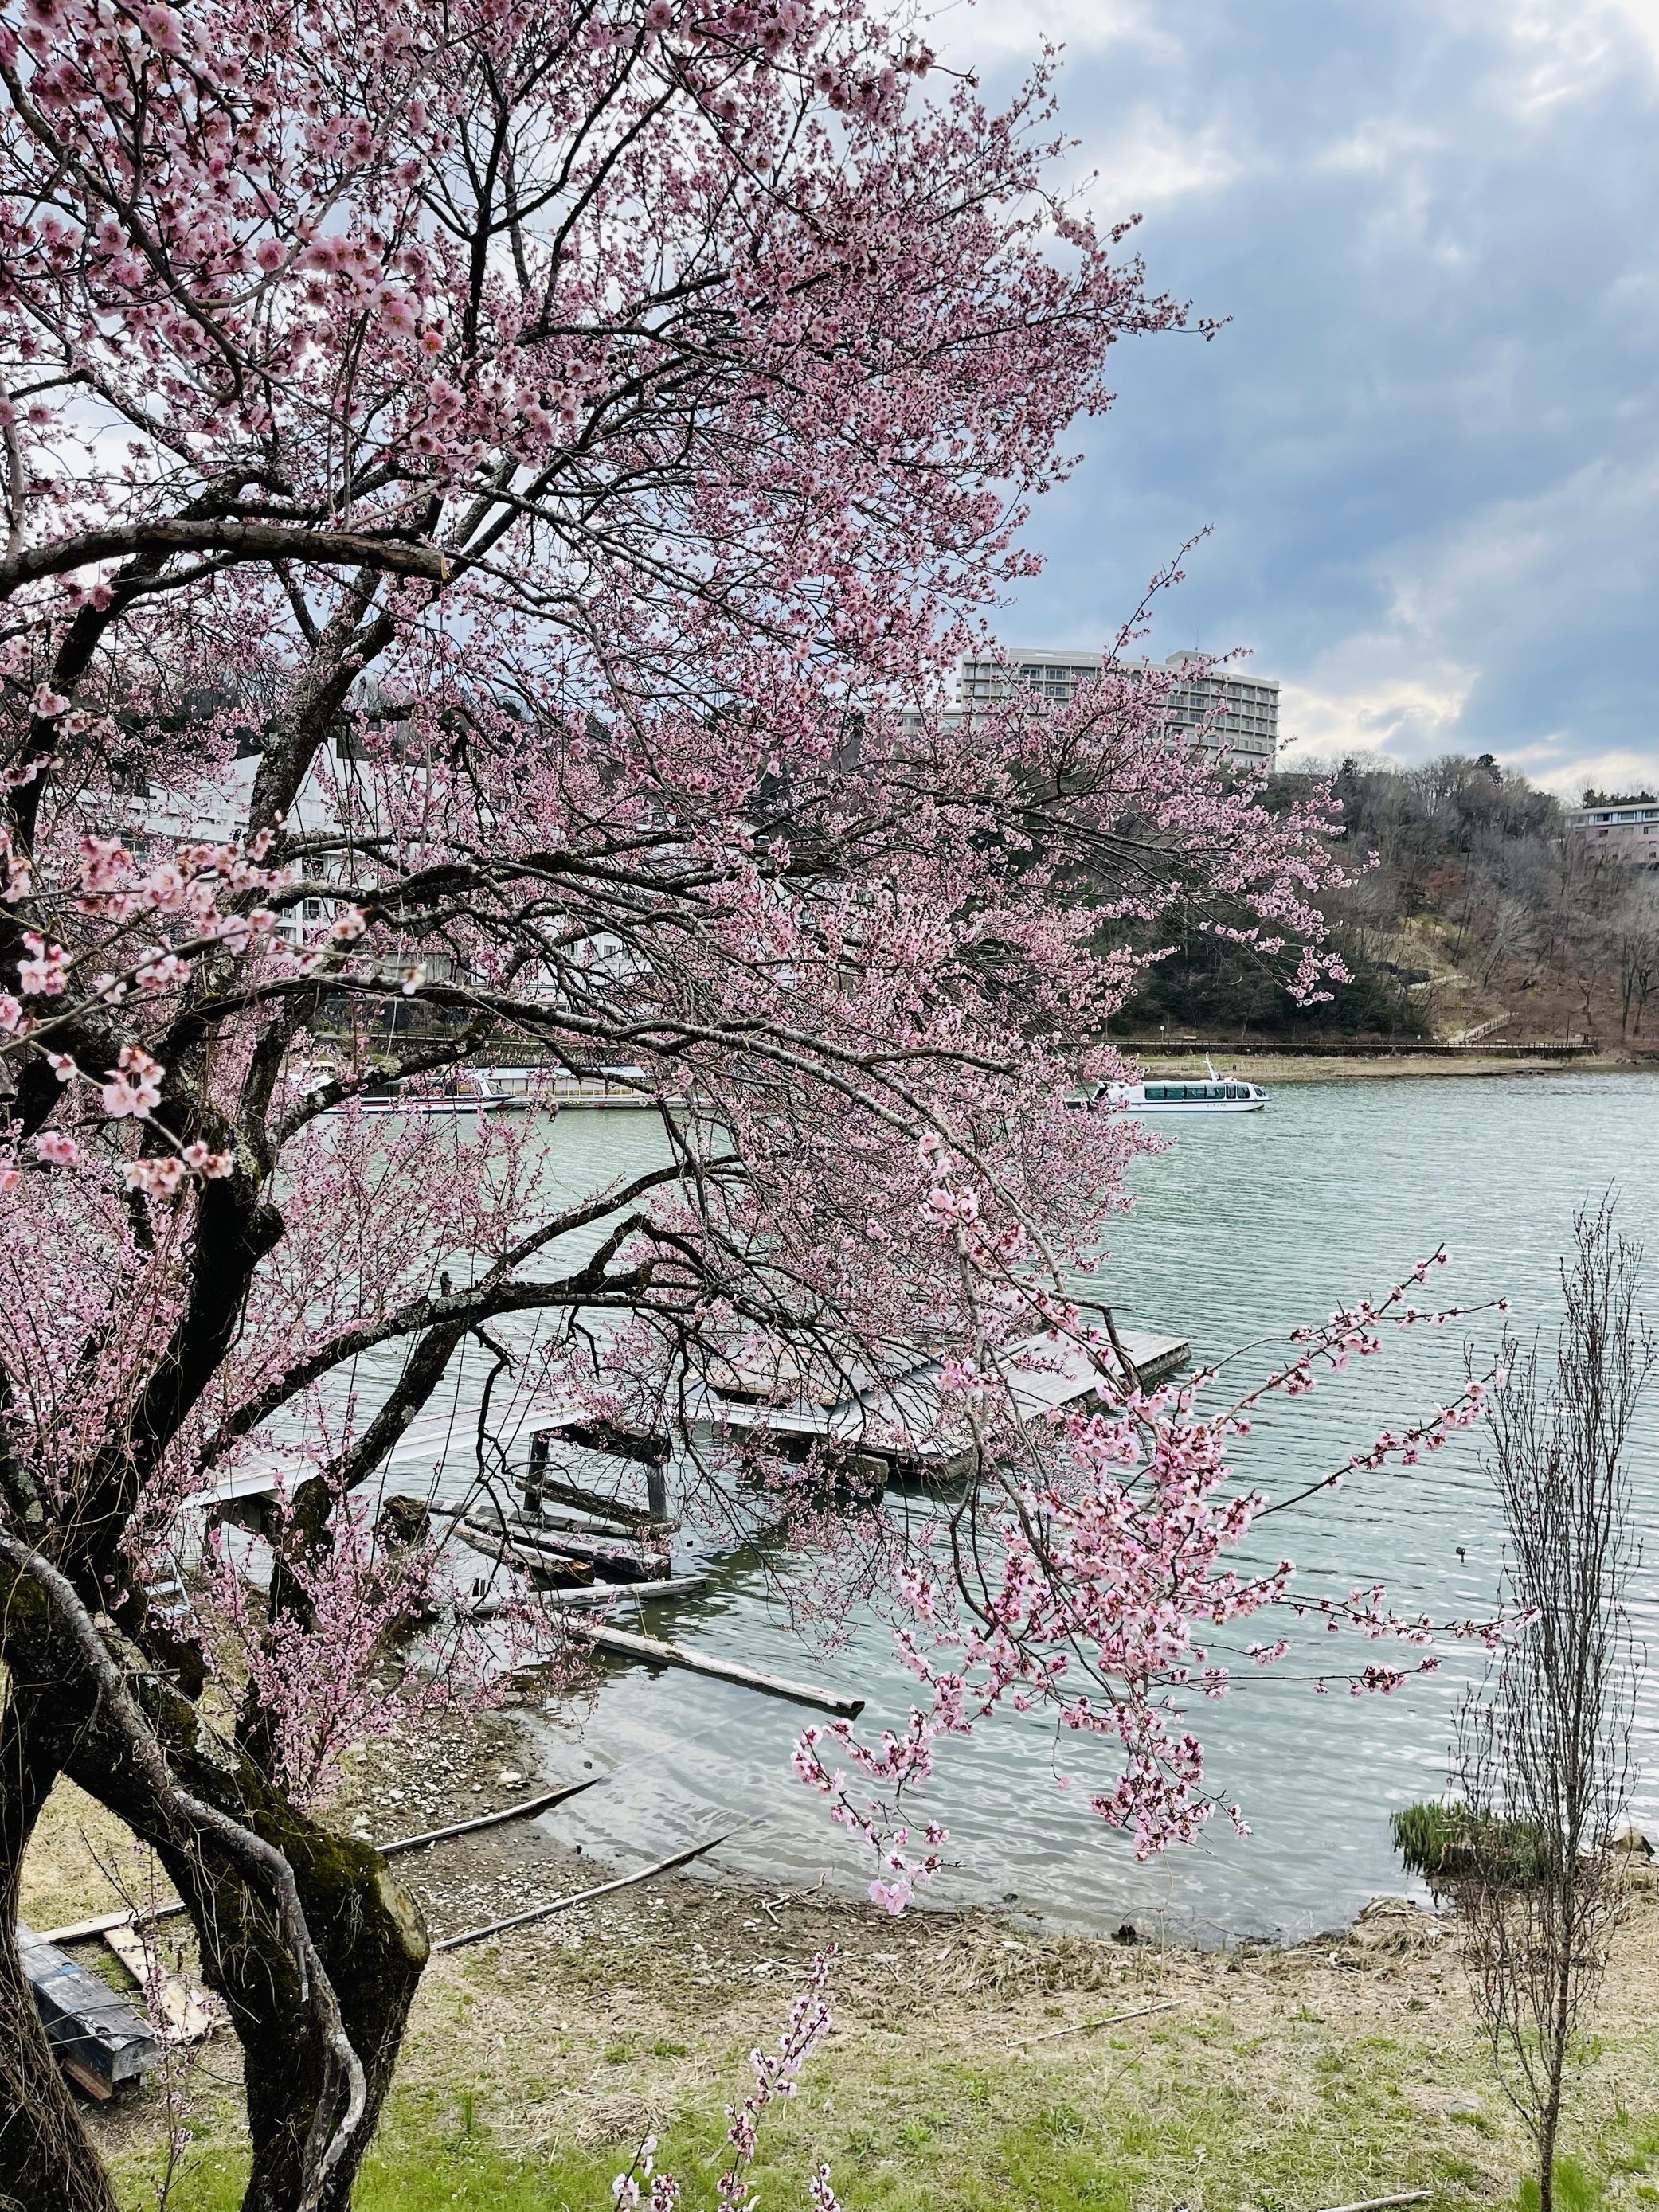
{"x":1449,"y":1844}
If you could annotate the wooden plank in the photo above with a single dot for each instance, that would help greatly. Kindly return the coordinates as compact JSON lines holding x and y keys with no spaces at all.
{"x":1088,"y":2026}
{"x":100,"y":1923}
{"x":596,"y":1551}
{"x":185,"y":2015}
{"x":625,"y":1593}
{"x":1382,"y":2203}
{"x":523,"y":1810}
{"x":523,"y":1547}
{"x":591,"y":1525}
{"x":663,"y":1654}
{"x":78,"y":1931}
{"x":522,"y":1528}
{"x":520,"y":1557}
{"x":84,"y":2078}
{"x":579,"y":1896}
{"x":595,"y":1502}
{"x":481,"y":1608}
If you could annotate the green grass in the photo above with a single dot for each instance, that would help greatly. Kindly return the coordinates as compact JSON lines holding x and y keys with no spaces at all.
{"x":1062,"y":2137}
{"x":1259,"y":2094}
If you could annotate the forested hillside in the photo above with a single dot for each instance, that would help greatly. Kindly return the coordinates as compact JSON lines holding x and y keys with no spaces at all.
{"x":1478,"y":910}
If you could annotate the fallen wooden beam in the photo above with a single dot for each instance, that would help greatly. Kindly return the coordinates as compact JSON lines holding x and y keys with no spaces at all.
{"x":523,"y":1527}
{"x":102,"y":1923}
{"x":663,"y":1654}
{"x":622,"y":1565}
{"x":520,"y":1558}
{"x":579,"y":1896}
{"x":80,"y":1931}
{"x":523,"y":1810}
{"x":1086,"y":2026}
{"x":642,"y":1559}
{"x":185,"y":2015}
{"x":601,"y":1593}
{"x":590,"y":1524}
{"x":1383,"y":2203}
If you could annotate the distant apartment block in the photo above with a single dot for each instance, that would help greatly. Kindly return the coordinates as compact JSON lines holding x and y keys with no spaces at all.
{"x":1237,"y":714}
{"x":1623,"y":829}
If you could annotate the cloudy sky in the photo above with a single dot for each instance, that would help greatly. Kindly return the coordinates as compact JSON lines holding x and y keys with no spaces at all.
{"x":1426,"y":444}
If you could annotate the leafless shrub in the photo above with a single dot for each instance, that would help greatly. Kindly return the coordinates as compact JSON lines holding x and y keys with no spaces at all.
{"x":1543,"y":1751}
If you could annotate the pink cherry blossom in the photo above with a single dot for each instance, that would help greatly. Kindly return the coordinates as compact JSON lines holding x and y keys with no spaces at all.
{"x":135,"y":1087}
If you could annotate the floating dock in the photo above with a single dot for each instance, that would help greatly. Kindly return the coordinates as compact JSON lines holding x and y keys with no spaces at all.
{"x":891,"y":1421}
{"x":894,"y":1424}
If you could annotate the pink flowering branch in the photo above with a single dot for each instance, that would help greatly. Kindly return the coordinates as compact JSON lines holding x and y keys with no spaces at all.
{"x":775,"y":2081}
{"x":1096,"y":1589}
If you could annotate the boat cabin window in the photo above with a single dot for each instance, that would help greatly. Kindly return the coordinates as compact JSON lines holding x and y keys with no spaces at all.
{"x":1172,"y":1091}
{"x":1169,"y":1091}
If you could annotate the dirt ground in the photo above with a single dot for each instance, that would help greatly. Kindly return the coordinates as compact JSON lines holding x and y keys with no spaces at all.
{"x":1354,"y":2054}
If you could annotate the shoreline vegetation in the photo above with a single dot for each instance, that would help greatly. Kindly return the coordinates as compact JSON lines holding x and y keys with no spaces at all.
{"x":1262,"y":1064}
{"x":961,"y":2075}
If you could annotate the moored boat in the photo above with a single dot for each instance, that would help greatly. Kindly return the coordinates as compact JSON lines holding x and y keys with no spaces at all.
{"x":463,"y":1090}
{"x":1217,"y":1094}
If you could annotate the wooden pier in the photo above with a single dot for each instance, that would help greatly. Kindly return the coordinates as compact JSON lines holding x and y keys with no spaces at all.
{"x":896,"y":1425}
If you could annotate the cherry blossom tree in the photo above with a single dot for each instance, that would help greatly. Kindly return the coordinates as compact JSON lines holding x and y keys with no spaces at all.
{"x":520,"y":471}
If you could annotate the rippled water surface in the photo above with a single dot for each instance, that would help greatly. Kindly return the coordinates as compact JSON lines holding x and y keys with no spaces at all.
{"x":1247,"y":1226}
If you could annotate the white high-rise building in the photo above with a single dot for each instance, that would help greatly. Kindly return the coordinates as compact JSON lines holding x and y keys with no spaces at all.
{"x":1238,"y":714}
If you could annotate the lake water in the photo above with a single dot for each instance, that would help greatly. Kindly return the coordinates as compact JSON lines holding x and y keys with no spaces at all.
{"x":1248,"y":1225}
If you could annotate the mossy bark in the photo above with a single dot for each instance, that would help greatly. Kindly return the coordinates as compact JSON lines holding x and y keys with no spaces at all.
{"x":372,"y":1943}
{"x":368,"y":1932}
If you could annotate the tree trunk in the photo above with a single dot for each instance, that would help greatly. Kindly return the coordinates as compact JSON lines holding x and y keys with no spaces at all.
{"x":368,"y":1932}
{"x":1548,"y":2128}
{"x":46,"y":2162}
{"x":366,"y":1928}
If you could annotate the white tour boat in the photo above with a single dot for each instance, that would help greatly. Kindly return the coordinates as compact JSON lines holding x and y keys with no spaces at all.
{"x":459,"y":1090}
{"x":1221,"y":1094}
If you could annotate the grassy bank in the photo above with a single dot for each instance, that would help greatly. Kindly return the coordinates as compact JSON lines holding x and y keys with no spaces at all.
{"x":1295,"y":2080}
{"x":954,"y":2080}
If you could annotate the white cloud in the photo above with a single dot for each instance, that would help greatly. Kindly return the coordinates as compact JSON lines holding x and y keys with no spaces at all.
{"x":1475,"y":624}
{"x":1379,"y":144}
{"x":1150,"y":161}
{"x":1598,"y":771}
{"x":1644,"y":17}
{"x":1338,"y":710}
{"x":988,"y":33}
{"x":1559,"y":50}
{"x":1424,"y":441}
